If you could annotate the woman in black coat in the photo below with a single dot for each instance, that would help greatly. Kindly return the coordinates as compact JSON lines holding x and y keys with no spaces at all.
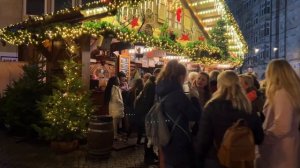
{"x":228,"y":104}
{"x":178,"y":153}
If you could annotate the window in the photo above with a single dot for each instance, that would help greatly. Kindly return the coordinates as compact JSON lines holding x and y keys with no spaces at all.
{"x":267,"y":29}
{"x":62,"y":4}
{"x":267,"y":7}
{"x":34,"y":7}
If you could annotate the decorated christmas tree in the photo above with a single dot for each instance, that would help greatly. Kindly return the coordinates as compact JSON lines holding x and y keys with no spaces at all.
{"x":68,"y":109}
{"x":219,"y":38}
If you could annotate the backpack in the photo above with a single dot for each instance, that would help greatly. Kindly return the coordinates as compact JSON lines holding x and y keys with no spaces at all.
{"x":238,"y":147}
{"x":156,"y":127}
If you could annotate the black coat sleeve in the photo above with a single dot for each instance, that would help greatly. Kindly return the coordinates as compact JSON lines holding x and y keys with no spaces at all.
{"x":256,"y":127}
{"x":192,"y":111}
{"x":205,"y":136}
{"x":149,"y":95}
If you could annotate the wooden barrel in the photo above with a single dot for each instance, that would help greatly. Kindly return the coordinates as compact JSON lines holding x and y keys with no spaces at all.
{"x":100,"y":136}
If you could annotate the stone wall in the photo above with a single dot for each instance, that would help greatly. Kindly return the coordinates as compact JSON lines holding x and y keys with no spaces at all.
{"x":10,"y":13}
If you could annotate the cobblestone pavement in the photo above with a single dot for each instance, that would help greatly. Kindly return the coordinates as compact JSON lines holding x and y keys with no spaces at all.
{"x":14,"y":154}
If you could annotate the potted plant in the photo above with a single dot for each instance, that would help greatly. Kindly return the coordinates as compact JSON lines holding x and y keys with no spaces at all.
{"x":67,"y":110}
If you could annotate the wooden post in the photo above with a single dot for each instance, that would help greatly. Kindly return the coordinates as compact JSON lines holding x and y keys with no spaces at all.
{"x":85,"y":60}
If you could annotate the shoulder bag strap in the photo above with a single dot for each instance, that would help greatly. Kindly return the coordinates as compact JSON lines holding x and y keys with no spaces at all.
{"x":176,"y":124}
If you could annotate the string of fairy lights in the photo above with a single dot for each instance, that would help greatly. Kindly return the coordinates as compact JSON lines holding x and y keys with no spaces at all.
{"x":65,"y":31}
{"x":230,"y":18}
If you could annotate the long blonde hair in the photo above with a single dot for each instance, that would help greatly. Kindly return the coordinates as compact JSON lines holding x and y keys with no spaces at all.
{"x":280,"y":75}
{"x":229,"y":88}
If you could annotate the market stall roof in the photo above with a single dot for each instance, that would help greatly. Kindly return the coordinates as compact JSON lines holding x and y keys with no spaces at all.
{"x":210,"y":11}
{"x":61,"y":24}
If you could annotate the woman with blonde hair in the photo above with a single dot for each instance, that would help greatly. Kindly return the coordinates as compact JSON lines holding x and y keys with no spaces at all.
{"x":227,"y":105}
{"x":282,"y":110}
{"x":192,"y":84}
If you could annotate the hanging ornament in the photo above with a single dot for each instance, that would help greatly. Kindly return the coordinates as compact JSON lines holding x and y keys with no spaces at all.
{"x":134,"y":22}
{"x":201,"y":38}
{"x":184,"y":37}
{"x":178,"y":14}
{"x":150,"y":54}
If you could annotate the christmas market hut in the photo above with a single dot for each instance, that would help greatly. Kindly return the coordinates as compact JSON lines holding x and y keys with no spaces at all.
{"x":129,"y":36}
{"x":109,"y":36}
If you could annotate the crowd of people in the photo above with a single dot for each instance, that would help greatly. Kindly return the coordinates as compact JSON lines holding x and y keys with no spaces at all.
{"x":205,"y":106}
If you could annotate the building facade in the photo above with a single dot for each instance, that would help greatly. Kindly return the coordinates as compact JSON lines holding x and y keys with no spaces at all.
{"x":14,"y":11}
{"x":271,"y":29}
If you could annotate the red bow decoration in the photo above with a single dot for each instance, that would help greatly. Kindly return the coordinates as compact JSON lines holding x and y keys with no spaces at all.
{"x":185,"y":37}
{"x":201,"y":38}
{"x":134,"y":22}
{"x":178,"y":14}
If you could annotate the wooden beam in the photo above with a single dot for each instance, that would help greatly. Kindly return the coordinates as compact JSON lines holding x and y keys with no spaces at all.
{"x":192,"y":12}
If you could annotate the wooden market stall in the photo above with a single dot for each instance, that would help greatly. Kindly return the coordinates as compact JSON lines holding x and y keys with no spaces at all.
{"x":127,"y":35}
{"x":133,"y":36}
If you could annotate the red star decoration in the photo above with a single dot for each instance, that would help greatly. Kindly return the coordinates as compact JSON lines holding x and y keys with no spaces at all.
{"x":134,"y":22}
{"x":201,"y":38}
{"x":185,"y":37}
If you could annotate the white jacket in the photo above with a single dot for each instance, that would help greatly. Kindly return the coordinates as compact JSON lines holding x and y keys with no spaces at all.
{"x":116,"y":106}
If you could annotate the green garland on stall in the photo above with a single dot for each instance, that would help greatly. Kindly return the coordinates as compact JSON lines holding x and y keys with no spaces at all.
{"x":23,"y":33}
{"x":197,"y":51}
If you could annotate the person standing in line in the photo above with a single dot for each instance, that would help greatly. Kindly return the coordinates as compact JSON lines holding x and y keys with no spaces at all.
{"x":113,"y":97}
{"x":227,"y":105}
{"x":213,"y":76}
{"x":125,"y":90}
{"x":256,"y":97}
{"x":255,"y":81}
{"x":143,"y":104}
{"x":192,"y":85}
{"x":203,"y":88}
{"x":136,"y":89}
{"x":282,"y":110}
{"x":146,"y":76}
{"x":193,"y":95}
{"x":179,"y":152}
